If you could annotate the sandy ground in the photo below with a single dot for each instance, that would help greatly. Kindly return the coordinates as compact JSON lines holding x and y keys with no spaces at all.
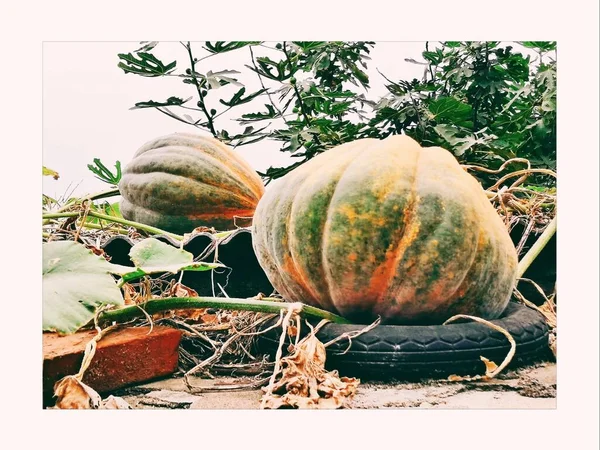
{"x":527,"y":388}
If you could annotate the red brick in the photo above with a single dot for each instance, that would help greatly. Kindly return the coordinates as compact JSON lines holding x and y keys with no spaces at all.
{"x":123,"y":357}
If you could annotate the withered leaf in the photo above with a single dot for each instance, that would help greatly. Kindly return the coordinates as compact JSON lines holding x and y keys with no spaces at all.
{"x":73,"y":394}
{"x":112,"y":402}
{"x":305,"y":384}
{"x":490,"y":366}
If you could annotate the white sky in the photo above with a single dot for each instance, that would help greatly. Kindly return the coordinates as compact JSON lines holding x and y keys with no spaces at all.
{"x":86,"y":101}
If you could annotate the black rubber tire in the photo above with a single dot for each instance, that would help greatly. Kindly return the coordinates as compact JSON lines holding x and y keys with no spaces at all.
{"x":416,"y":352}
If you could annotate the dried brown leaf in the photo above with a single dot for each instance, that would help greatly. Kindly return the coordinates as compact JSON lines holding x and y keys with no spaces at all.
{"x":112,"y":402}
{"x":305,"y":384}
{"x":292,"y":331}
{"x":203,"y":229}
{"x":490,"y":366}
{"x":130,"y":295}
{"x":491,"y":369}
{"x":333,"y":402}
{"x":71,"y":393}
{"x":209,"y":318}
{"x":549,"y":312}
{"x":181,"y":290}
{"x":98,"y":251}
{"x":468,"y":378}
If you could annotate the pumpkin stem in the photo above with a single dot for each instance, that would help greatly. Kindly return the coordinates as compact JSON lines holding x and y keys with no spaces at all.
{"x":536,"y":249}
{"x":267,"y":306}
{"x":129,"y":223}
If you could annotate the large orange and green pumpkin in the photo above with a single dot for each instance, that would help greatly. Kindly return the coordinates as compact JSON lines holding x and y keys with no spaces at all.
{"x":181,"y":181}
{"x":385,"y":228}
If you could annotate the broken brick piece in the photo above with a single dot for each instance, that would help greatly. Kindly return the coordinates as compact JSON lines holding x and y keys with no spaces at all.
{"x":123,"y":357}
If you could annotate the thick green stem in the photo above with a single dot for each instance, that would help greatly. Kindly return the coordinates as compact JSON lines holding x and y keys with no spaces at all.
{"x":113,"y":192}
{"x":535,"y":250}
{"x":129,"y":223}
{"x":59,"y":215}
{"x":239,"y":304}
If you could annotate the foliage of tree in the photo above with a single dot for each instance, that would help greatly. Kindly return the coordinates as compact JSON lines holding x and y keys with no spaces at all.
{"x":486,"y":102}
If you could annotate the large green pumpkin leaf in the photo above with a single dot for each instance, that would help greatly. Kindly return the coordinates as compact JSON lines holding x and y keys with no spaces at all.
{"x":153,"y":256}
{"x":75,"y":282}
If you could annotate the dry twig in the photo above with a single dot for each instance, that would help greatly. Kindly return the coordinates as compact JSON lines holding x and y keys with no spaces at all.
{"x":220,"y":351}
{"x":491,"y":369}
{"x":353,"y":334}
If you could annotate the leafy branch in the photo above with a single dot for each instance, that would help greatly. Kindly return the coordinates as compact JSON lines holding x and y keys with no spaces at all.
{"x":484,"y":101}
{"x":321,"y":121}
{"x":199,"y":85}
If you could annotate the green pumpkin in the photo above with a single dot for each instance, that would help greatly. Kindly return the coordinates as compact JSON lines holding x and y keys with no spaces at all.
{"x":182,"y":181}
{"x":385,"y":228}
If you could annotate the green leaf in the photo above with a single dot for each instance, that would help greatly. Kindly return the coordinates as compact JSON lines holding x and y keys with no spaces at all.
{"x":109,"y":209}
{"x":222,"y":47}
{"x":147,"y":46}
{"x":277,"y":172}
{"x":541,"y":45}
{"x":75,"y":282}
{"x":239,"y":99}
{"x":113,"y":209}
{"x":146,"y":64}
{"x":48,"y":201}
{"x":171,"y":101}
{"x":153,"y":256}
{"x":255,"y":117}
{"x":361,"y":76}
{"x":217,"y":79}
{"x":248,"y":136}
{"x":152,"y":253}
{"x":433,"y":57}
{"x":309,"y":45}
{"x":46,"y":172}
{"x":449,"y":109}
{"x":548,"y":105}
{"x":465,"y":144}
{"x":266,"y":67}
{"x":104,"y":174}
{"x":448,"y":133}
{"x":458,"y":144}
